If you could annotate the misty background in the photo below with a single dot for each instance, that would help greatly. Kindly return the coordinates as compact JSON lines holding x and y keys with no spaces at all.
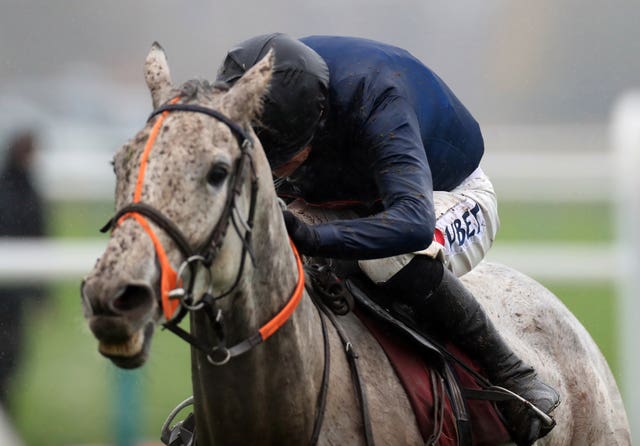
{"x":546,"y":62}
{"x":542,"y":78}
{"x":73,"y":68}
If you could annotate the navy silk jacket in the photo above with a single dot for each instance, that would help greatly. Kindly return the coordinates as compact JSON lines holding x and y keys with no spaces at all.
{"x":394,"y":133}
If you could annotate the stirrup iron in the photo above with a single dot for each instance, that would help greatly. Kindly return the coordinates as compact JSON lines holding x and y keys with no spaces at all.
{"x":183,"y":433}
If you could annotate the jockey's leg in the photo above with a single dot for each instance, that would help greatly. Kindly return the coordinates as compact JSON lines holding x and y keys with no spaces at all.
{"x":467,"y":222}
{"x":444,"y":304}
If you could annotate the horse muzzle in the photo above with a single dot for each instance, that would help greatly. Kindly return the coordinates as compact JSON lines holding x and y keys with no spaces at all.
{"x":121,"y":320}
{"x":128,"y":354}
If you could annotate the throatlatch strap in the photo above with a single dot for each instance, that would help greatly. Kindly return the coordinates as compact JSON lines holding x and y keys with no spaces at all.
{"x":280,"y":318}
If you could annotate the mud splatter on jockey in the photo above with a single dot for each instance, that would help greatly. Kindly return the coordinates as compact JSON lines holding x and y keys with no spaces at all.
{"x":357,"y":122}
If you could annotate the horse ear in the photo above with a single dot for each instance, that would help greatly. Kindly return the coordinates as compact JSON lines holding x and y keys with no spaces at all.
{"x":157,"y":75}
{"x":243,"y":102}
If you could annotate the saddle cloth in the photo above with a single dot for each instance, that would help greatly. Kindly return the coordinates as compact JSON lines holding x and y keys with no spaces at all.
{"x":414,"y":372}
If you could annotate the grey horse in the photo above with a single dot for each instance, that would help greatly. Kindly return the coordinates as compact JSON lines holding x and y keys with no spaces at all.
{"x":268,"y":394}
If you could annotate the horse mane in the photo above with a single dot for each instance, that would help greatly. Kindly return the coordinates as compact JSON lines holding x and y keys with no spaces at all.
{"x":198,"y":90}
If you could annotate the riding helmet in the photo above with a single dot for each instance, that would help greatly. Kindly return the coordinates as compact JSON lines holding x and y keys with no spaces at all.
{"x":296,"y":103}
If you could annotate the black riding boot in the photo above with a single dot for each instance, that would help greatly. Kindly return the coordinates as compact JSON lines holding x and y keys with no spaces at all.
{"x":443,"y":303}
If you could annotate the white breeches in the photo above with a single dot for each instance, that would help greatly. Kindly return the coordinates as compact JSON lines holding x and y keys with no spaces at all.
{"x":466,"y":225}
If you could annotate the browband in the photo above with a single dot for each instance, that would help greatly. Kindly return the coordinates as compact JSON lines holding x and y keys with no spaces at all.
{"x":238,"y":131}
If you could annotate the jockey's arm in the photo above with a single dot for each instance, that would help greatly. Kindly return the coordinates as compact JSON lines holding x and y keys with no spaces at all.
{"x":391,"y":138}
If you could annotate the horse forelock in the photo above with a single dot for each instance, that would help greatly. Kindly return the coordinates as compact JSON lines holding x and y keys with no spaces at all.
{"x":199,"y":90}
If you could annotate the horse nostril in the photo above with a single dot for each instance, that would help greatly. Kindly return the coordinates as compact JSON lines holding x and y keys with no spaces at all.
{"x":134,"y":298}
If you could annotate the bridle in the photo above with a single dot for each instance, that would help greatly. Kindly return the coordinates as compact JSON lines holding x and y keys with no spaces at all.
{"x":176,"y":299}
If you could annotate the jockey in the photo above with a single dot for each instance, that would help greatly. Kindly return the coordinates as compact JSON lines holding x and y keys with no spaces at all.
{"x":350,"y":120}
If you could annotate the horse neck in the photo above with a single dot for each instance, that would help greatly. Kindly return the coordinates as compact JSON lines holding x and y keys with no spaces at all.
{"x":267,"y":395}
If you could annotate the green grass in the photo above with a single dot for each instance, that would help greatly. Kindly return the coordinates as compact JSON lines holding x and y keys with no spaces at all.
{"x":566,"y":222}
{"x":66,"y":393}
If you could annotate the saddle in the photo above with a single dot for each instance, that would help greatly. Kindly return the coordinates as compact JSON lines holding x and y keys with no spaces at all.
{"x":452,"y":401}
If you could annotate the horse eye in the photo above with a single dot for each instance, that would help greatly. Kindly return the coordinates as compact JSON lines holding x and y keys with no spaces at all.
{"x":217,"y":174}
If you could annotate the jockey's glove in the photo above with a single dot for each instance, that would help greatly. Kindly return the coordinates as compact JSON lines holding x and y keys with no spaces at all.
{"x":304,"y":236}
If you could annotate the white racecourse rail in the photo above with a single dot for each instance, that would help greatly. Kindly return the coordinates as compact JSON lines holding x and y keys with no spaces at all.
{"x":57,"y":259}
{"x":625,"y":132}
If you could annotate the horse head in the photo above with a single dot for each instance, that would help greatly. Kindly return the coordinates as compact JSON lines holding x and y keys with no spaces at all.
{"x":184,"y":167}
